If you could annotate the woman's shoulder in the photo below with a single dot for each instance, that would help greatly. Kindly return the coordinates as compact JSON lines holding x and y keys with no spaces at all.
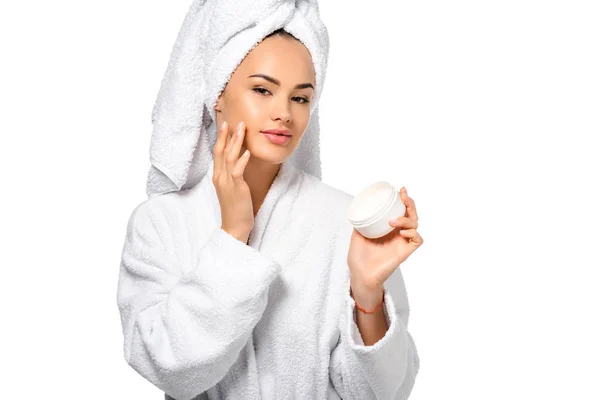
{"x":327,"y":191}
{"x":172,"y":206}
{"x":331,"y":200}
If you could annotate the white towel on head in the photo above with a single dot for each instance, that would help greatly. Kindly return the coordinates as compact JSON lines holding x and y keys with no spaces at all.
{"x":215,"y":37}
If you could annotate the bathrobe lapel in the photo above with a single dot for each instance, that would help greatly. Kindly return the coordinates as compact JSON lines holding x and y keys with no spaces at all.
{"x":274,"y":213}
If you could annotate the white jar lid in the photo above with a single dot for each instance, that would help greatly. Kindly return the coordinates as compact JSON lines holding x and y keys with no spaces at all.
{"x":370,"y":203}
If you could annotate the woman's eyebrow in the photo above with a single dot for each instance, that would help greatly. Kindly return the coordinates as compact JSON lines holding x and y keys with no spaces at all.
{"x":276,"y":82}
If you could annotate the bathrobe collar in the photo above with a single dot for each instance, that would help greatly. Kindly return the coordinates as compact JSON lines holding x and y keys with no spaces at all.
{"x":283,"y":181}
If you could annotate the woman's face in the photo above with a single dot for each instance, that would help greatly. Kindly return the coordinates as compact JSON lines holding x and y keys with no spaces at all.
{"x":271,"y":89}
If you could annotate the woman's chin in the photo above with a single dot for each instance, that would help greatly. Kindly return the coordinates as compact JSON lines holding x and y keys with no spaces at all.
{"x":270,"y":157}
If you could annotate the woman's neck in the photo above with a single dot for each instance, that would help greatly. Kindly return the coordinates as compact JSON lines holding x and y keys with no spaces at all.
{"x":259,"y":175}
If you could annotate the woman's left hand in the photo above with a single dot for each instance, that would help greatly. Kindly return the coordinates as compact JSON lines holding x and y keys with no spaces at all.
{"x":372,"y":261}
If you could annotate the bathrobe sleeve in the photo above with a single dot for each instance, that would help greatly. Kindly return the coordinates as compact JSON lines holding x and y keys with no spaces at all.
{"x":183,"y":331}
{"x":387,"y":369}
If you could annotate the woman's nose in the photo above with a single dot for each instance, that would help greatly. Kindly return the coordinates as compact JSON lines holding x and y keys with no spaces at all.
{"x":282,"y":112}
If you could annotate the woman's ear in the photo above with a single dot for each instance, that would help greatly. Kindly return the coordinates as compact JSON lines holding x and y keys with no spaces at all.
{"x":219,"y":105}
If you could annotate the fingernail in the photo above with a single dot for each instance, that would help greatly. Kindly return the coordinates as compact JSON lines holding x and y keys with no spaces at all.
{"x":223,"y":125}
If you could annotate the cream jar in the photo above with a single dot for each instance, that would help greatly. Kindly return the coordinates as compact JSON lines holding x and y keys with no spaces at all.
{"x":373,"y":207}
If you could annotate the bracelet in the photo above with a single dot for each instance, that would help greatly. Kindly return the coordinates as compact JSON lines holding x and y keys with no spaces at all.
{"x":372,"y":311}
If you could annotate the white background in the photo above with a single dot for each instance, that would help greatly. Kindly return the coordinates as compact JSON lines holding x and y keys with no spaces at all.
{"x":487,"y":111}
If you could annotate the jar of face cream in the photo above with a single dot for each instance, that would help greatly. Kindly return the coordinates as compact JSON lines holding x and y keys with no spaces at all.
{"x":373,"y":207}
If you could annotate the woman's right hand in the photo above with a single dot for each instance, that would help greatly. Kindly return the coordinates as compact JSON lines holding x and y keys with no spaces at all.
{"x":237,"y":212}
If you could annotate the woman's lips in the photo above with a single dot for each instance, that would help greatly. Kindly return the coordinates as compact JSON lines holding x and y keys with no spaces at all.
{"x":285,"y":132}
{"x":277,"y":139}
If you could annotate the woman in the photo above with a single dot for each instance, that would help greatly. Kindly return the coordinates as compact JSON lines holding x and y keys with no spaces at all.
{"x":252,"y":283}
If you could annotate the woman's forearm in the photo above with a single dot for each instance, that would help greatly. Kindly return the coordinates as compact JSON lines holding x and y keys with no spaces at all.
{"x":373,"y":326}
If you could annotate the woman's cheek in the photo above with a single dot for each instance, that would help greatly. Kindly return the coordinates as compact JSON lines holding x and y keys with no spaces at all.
{"x":301,"y":120}
{"x":250,"y":110}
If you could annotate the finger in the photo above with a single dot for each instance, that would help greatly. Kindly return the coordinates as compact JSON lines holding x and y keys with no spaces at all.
{"x":231,"y":156}
{"x":411,"y":209}
{"x":412,"y":235}
{"x":228,"y":140}
{"x":240,"y":167}
{"x":219,"y":146}
{"x":404,"y":222}
{"x":236,"y":146}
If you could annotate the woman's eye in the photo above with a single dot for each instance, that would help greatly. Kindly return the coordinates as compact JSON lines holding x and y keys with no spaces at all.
{"x":300,"y":100}
{"x":264,"y":92}
{"x":261,"y":91}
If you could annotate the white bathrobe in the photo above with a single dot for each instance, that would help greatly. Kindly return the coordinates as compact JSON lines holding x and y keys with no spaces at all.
{"x":206,"y":316}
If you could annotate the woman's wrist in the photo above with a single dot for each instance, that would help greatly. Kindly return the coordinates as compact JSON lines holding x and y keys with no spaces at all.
{"x":368,"y":298}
